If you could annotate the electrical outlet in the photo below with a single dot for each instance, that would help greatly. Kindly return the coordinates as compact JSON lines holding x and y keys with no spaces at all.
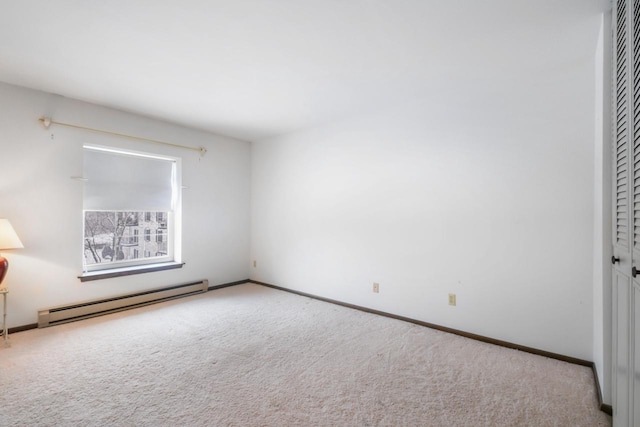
{"x":254,"y":263}
{"x":452,"y":299}
{"x":376,"y":288}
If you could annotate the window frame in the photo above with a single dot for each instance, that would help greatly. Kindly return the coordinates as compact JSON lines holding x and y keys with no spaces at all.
{"x":172,"y":238}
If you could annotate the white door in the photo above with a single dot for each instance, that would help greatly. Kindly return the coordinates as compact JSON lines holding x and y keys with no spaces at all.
{"x":626,"y":218}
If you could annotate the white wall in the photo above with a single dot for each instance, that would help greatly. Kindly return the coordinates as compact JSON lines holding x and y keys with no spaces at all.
{"x":45,"y":205}
{"x":487,"y":194}
{"x":602,"y":271}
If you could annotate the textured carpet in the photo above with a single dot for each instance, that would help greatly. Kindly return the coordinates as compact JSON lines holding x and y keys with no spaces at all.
{"x":253,"y":356}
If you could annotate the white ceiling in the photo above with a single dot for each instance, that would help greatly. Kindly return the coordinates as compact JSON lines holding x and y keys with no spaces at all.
{"x":258,"y":68}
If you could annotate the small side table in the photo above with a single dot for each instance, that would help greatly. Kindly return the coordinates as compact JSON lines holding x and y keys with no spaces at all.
{"x":5,"y":329}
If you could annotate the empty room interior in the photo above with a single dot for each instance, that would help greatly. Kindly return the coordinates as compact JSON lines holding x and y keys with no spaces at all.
{"x":361,"y":212}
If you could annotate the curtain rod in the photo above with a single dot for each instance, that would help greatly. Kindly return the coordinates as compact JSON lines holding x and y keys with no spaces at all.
{"x":47,"y":122}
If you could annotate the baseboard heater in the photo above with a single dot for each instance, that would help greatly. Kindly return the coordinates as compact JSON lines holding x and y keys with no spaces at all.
{"x":84,"y":310}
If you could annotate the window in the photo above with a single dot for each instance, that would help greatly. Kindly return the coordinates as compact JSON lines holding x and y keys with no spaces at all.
{"x":161,"y":220}
{"x":124,"y":191}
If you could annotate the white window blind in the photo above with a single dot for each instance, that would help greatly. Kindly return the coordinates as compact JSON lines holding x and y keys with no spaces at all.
{"x":127,"y":181}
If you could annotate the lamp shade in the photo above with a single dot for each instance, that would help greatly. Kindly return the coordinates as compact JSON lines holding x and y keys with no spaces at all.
{"x":8,"y":237}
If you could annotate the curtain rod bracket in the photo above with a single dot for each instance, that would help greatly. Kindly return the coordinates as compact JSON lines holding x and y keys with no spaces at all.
{"x":46,"y":122}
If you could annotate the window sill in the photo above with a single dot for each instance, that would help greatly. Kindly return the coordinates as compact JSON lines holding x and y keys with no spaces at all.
{"x":128,"y":271}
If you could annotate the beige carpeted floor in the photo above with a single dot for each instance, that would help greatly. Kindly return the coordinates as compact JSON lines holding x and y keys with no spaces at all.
{"x":253,"y":356}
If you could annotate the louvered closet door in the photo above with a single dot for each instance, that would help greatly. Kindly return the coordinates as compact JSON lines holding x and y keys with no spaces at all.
{"x":634,"y":300}
{"x":626,"y":201}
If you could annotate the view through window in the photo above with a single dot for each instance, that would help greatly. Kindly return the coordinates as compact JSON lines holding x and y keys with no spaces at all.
{"x":115,"y":236}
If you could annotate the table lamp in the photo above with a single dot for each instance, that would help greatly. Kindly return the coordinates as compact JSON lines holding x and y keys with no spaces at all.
{"x":8,"y":240}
